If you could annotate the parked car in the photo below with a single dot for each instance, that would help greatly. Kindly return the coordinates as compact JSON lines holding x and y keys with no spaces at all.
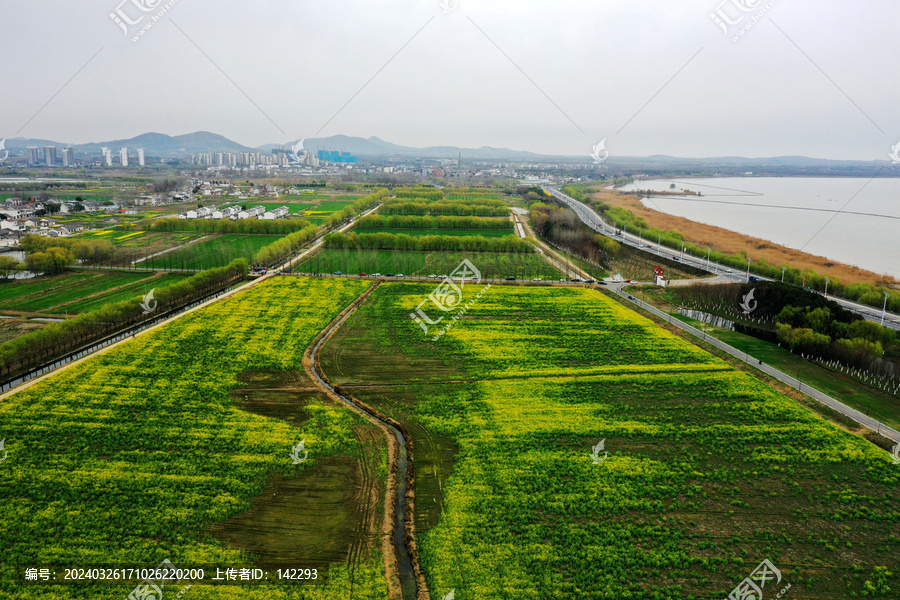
{"x":511,"y":278}
{"x":389,"y":275}
{"x":432,"y":277}
{"x":363,"y":275}
{"x":627,"y":281}
{"x":337,"y":273}
{"x":537,"y":279}
{"x":399,"y":275}
{"x":589,"y":281}
{"x":563,"y":280}
{"x":377,"y":275}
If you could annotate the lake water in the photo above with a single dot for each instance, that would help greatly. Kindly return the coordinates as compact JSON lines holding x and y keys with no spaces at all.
{"x":855,"y":221}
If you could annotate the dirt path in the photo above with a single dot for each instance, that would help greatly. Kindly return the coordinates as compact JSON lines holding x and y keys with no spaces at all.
{"x":403,"y":571}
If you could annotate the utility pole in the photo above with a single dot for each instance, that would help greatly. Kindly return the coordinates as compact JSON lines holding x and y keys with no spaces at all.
{"x":884,"y":308}
{"x":827,"y":281}
{"x":782,"y":274}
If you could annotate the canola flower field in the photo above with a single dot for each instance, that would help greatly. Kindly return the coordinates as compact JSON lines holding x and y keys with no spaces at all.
{"x":703,"y":473}
{"x":130,"y":457}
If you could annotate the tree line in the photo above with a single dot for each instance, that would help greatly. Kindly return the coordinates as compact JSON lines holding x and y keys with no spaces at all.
{"x":225,"y":225}
{"x":357,"y":207}
{"x":442,"y":222}
{"x":54,"y":255}
{"x":443,"y":208}
{"x":38,"y":347}
{"x":442,"y":243}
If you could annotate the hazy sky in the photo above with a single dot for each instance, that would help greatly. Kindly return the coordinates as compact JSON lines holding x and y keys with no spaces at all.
{"x":814,"y":77}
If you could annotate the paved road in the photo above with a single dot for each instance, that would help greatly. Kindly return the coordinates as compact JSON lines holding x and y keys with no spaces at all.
{"x":725,"y":274}
{"x":795,"y":383}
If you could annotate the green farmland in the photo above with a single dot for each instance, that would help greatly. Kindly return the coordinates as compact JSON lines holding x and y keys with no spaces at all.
{"x":214,"y":251}
{"x":78,"y":291}
{"x":491,"y":264}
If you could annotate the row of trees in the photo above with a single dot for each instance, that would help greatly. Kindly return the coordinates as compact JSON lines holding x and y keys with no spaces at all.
{"x":357,"y":207}
{"x":419,"y":192}
{"x":444,"y":208}
{"x":38,"y":347}
{"x":54,"y":255}
{"x":225,"y":225}
{"x":282,"y":248}
{"x":442,"y":222}
{"x":390,"y":241}
{"x":562,"y":227}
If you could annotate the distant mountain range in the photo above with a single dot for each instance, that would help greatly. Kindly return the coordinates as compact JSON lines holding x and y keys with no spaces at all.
{"x":166,"y":146}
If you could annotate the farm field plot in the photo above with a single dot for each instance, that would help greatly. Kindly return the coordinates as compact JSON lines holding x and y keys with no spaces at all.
{"x":215,"y":251}
{"x":76,"y":291}
{"x":491,"y":264}
{"x":176,"y":445}
{"x":140,"y":239}
{"x":705,"y":471}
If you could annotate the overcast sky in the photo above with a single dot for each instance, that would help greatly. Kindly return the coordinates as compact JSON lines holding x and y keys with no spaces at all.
{"x":813,"y":77}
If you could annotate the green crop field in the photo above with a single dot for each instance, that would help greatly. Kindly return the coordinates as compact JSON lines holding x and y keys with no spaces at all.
{"x":491,"y":264}
{"x":76,"y":291}
{"x":333,"y":206}
{"x":162,"y":447}
{"x":213,"y":251}
{"x":124,"y":293}
{"x":703,"y":472}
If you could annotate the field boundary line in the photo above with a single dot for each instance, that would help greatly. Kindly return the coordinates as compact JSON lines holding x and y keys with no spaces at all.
{"x":400,"y":434}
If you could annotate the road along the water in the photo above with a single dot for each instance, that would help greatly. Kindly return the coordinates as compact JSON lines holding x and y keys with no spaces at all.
{"x":403,"y":571}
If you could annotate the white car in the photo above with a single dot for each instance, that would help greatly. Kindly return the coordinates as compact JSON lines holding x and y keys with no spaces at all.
{"x":537,"y":279}
{"x":399,"y":275}
{"x":432,"y":277}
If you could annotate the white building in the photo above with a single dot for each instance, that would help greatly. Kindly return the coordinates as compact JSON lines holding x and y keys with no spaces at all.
{"x":123,"y":156}
{"x":141,"y":161}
